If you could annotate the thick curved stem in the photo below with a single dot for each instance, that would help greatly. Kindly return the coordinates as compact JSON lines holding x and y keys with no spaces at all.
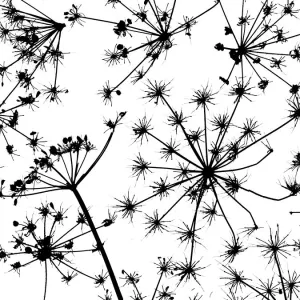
{"x":100,"y":246}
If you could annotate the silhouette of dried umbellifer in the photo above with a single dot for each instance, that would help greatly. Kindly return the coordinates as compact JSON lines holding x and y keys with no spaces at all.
{"x":201,"y":160}
{"x":155,"y":23}
{"x":37,"y":240}
{"x":62,"y":168}
{"x":35,"y":39}
{"x":260,"y":42}
{"x":205,"y":163}
{"x":283,"y":284}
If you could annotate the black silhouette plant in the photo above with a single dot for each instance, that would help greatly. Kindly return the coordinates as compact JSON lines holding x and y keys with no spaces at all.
{"x":206,"y":157}
{"x":9,"y":119}
{"x":260,"y":42}
{"x":204,"y":164}
{"x":35,"y":41}
{"x":166,"y":269}
{"x":37,"y":240}
{"x":62,"y":169}
{"x":283,"y":284}
{"x":292,"y":180}
{"x":155,"y":22}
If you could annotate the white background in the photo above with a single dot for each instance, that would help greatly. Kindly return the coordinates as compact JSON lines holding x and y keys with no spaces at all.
{"x":190,"y":64}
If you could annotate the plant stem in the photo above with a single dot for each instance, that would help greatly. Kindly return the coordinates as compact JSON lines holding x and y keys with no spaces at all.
{"x":161,"y":274}
{"x":280,"y":274}
{"x":257,"y":291}
{"x":99,"y":243}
